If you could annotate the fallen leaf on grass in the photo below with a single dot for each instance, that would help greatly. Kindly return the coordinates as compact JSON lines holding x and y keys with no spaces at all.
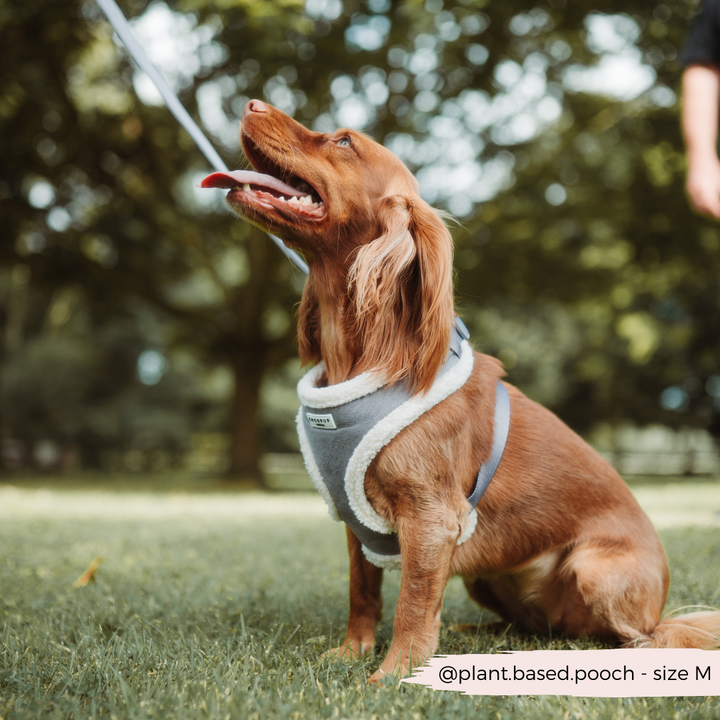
{"x":89,"y":574}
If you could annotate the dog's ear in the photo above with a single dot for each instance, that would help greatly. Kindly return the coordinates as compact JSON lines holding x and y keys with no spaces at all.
{"x":401,"y":287}
{"x":309,"y":325}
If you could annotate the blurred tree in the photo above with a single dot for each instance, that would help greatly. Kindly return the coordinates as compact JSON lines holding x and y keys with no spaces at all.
{"x":550,"y":129}
{"x":95,"y":194}
{"x":72,"y":391}
{"x":595,"y":232}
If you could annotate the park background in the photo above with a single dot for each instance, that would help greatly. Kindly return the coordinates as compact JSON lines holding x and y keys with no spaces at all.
{"x":148,"y":359}
{"x":144,"y":328}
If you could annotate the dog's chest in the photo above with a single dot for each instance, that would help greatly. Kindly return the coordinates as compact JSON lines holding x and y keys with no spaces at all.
{"x":340,"y":440}
{"x":343,"y":427}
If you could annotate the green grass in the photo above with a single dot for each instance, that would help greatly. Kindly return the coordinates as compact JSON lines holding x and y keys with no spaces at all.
{"x":219,"y":605}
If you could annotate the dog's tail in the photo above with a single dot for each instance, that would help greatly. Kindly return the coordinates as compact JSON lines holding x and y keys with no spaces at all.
{"x":695,"y":630}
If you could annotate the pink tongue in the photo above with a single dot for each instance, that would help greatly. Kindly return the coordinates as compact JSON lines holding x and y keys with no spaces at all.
{"x":242,"y":177}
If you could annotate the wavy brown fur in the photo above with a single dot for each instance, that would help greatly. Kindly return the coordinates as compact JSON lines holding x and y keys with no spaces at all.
{"x":694,"y":630}
{"x":560,"y":541}
{"x":400,"y":290}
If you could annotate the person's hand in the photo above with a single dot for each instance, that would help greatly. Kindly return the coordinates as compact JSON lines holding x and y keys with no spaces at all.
{"x":701,"y":98}
{"x":703,"y":185}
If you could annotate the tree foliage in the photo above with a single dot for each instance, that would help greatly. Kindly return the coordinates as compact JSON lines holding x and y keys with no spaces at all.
{"x":578,"y":261}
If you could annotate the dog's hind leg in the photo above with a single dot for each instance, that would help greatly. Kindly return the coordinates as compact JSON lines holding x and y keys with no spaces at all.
{"x":612,"y":588}
{"x":627,"y":592}
{"x":365,"y":603}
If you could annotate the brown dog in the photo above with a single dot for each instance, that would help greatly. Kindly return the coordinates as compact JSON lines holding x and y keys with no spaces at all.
{"x":560,"y":541}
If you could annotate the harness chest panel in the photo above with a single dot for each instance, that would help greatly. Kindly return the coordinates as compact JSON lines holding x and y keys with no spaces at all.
{"x":342,"y":428}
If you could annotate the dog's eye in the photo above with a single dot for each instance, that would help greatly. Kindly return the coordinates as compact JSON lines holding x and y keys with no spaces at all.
{"x":344,"y":142}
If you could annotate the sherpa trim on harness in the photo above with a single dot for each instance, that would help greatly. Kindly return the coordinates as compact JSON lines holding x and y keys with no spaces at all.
{"x":343,"y":427}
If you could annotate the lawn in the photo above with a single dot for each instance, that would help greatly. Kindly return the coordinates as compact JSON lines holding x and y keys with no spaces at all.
{"x":219,"y":605}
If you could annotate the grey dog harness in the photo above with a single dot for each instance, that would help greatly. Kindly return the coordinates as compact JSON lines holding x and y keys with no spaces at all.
{"x":342,"y":428}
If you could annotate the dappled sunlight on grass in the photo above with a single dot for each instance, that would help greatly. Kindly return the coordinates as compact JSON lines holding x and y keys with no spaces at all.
{"x":669,"y":504}
{"x":43,"y":502}
{"x":680,"y":505}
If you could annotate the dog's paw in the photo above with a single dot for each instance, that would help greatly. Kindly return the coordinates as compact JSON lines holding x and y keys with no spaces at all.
{"x":349,"y":651}
{"x":380,"y":677}
{"x":395,"y":668}
{"x":392,"y":674}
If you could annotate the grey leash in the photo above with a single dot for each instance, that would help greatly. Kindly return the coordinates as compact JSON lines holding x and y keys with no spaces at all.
{"x":124,"y":32}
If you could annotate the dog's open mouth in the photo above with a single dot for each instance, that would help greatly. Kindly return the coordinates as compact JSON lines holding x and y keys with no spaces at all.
{"x":276,"y":189}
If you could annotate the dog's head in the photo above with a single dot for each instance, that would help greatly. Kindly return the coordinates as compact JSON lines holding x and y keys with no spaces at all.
{"x":309,"y":185}
{"x":354,"y":210}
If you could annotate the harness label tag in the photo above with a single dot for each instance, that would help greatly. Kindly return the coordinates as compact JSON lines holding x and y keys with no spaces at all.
{"x":324,"y":422}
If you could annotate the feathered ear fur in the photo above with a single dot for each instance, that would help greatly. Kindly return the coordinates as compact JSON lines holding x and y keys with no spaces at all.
{"x":309,"y":325}
{"x":401,"y":287}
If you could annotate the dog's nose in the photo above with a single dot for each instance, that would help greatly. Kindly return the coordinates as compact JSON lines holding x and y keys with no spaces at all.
{"x":255,"y":106}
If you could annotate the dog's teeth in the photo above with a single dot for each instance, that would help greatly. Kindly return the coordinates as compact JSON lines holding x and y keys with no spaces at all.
{"x":246,"y":187}
{"x":293,"y":199}
{"x":282,"y":199}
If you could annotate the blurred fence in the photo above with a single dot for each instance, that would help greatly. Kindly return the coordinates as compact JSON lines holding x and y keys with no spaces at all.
{"x":654,"y":450}
{"x":658,"y":450}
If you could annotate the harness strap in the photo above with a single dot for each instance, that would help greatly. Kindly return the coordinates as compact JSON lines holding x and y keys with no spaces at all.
{"x":501,"y":427}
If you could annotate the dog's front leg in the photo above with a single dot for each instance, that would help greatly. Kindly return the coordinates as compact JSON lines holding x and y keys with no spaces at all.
{"x":427,"y":544}
{"x":365,"y":603}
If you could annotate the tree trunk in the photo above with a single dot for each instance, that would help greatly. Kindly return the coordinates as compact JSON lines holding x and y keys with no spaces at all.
{"x":248,"y":368}
{"x":250,"y":351}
